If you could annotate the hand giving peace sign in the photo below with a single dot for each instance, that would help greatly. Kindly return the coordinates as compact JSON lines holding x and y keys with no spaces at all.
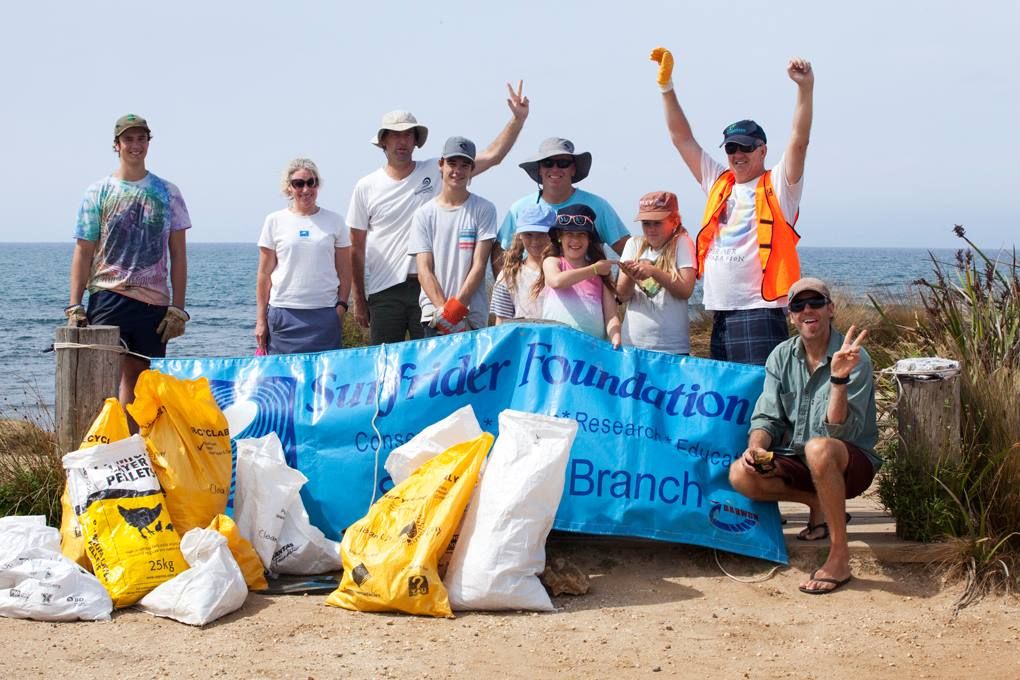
{"x":849,"y":355}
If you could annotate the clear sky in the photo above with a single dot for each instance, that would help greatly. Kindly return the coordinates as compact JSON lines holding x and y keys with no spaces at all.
{"x":917,"y":123}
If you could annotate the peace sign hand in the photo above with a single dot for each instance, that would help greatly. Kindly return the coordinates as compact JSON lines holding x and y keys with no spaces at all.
{"x":518,"y":103}
{"x":849,"y":355}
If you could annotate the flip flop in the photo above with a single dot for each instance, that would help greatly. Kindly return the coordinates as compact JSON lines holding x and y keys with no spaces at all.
{"x":824,"y":591}
{"x":805,"y":534}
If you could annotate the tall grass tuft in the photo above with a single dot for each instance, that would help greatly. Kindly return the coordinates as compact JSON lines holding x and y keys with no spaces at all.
{"x":972,"y":313}
{"x":31,"y":474}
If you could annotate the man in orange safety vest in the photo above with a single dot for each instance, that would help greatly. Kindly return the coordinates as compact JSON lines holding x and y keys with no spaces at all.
{"x":746,"y":247}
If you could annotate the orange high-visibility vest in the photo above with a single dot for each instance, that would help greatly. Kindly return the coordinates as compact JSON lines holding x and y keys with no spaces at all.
{"x":777,"y":239}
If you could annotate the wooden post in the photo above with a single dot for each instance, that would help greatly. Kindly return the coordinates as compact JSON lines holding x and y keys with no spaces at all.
{"x":85,"y":377}
{"x":928,"y":417}
{"x":928,"y":420}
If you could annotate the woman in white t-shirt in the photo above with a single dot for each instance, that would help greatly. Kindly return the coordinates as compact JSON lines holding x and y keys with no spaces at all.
{"x":304,"y":275}
{"x":657,"y":274}
{"x":513,"y":296}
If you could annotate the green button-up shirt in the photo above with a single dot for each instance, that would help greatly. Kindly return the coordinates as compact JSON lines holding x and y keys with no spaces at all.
{"x":793,"y":406}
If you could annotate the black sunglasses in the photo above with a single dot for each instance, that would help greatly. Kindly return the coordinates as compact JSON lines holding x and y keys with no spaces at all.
{"x":813,"y":303}
{"x":579,"y":220}
{"x":733,"y":147}
{"x":302,"y":183}
{"x":562,"y":163}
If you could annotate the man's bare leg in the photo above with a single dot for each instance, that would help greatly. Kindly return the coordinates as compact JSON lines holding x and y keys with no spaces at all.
{"x":828,"y":459}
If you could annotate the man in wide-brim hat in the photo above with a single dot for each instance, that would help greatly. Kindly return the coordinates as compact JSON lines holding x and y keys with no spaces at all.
{"x":385,"y":286}
{"x":556,"y":168}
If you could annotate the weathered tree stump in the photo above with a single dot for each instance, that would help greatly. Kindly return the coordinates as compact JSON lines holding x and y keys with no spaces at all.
{"x":929,"y":417}
{"x":85,"y":377}
{"x":928,"y":420}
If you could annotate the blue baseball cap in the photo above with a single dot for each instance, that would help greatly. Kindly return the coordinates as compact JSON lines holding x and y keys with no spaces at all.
{"x":745,"y":132}
{"x":538,"y":218}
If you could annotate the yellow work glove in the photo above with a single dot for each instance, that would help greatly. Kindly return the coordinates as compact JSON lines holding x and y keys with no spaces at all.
{"x":76,"y":317}
{"x":664,"y":58}
{"x":172,"y":325}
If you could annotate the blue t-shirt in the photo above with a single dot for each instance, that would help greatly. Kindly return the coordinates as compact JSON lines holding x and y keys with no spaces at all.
{"x":607,"y":222}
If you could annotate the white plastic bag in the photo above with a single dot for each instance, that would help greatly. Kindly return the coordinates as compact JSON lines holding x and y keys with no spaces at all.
{"x":269,"y":512}
{"x":44,"y":585}
{"x":212,"y":586}
{"x":501,"y":549}
{"x":459,"y":426}
{"x":18,"y":533}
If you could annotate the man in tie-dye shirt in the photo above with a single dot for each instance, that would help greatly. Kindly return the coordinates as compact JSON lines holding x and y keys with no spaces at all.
{"x":748,"y":304}
{"x":129,"y":238}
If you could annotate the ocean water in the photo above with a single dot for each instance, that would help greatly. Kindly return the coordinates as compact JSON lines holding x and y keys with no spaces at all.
{"x":221,"y":301}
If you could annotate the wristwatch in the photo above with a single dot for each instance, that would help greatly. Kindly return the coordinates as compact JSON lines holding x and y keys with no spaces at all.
{"x":839,"y":381}
{"x":341,"y":303}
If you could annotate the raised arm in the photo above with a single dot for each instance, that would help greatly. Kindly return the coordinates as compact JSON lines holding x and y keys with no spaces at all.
{"x":676,"y":122}
{"x":500,"y":147}
{"x":800,"y":72}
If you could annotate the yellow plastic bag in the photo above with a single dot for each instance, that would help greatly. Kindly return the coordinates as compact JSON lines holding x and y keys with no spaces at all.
{"x":243,"y":551}
{"x":129,"y":536}
{"x":109,"y":426}
{"x":190,"y":446}
{"x":390,"y":555}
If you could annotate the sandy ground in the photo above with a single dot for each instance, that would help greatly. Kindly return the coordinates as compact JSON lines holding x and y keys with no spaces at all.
{"x":654,"y":611}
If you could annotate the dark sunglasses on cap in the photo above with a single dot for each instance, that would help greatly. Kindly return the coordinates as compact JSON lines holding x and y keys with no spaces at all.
{"x":733,"y":147}
{"x":578,"y":220}
{"x":812,"y":302}
{"x":561,"y":163}
{"x":302,"y":183}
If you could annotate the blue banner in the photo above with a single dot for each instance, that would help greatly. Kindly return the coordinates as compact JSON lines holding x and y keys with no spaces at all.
{"x":656,"y":432}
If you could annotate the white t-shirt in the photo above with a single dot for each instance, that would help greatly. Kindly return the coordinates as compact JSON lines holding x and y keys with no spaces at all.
{"x":733,"y":273}
{"x":384,"y":206}
{"x":305,"y":276}
{"x":451,"y":235}
{"x":658,"y":322}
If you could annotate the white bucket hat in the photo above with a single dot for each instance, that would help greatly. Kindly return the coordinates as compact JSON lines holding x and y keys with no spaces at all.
{"x":398,"y":121}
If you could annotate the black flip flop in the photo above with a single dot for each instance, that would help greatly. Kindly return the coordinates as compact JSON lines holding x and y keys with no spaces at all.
{"x":805,"y":534}
{"x":836,"y":585}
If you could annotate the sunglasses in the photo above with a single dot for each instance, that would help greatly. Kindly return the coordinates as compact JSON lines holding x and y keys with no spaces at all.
{"x":813,"y":303}
{"x":578,"y":220}
{"x":302,"y":183}
{"x":561,"y":163}
{"x":733,"y":147}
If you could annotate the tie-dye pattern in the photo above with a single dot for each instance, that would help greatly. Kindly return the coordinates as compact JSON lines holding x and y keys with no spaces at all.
{"x":130,"y":223}
{"x":579,"y":306}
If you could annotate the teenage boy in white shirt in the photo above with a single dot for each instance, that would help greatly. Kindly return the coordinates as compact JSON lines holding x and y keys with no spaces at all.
{"x":451,"y":238}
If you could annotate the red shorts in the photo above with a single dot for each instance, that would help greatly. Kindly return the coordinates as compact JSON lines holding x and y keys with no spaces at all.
{"x":858,"y":475}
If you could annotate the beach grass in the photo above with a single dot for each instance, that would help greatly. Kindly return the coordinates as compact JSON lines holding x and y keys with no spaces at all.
{"x":31,"y":474}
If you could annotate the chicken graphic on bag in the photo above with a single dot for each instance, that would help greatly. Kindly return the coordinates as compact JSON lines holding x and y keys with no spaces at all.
{"x":141,"y":518}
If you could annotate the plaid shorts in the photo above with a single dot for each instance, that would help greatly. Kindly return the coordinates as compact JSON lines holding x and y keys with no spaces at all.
{"x":748,"y":336}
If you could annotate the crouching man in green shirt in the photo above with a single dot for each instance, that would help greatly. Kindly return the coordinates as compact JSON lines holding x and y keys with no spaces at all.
{"x":819,"y":402}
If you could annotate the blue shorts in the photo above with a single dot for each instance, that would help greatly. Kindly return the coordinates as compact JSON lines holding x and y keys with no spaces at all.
{"x":748,"y":336}
{"x":137,"y":320}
